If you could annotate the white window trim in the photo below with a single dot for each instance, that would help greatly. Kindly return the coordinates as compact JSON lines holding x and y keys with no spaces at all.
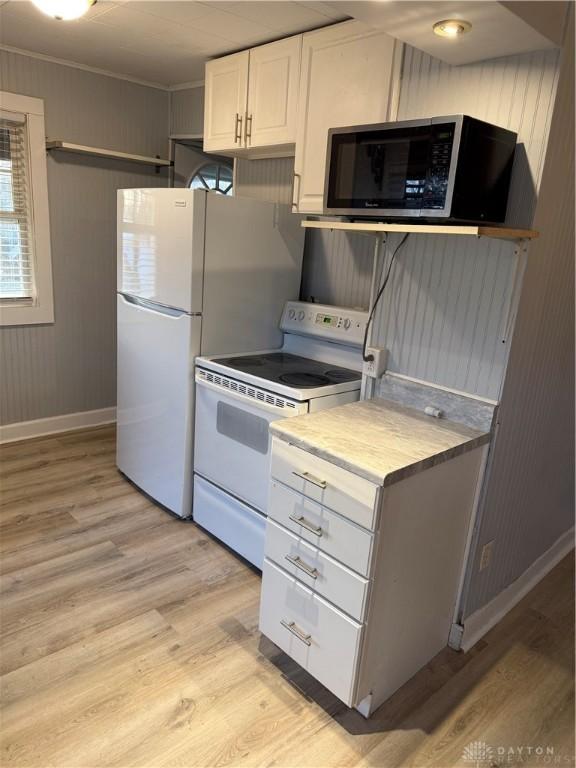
{"x":42,"y":311}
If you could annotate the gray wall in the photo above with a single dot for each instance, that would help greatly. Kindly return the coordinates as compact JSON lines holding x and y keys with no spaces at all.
{"x":529,"y":500}
{"x":187,"y":112}
{"x":70,"y":366}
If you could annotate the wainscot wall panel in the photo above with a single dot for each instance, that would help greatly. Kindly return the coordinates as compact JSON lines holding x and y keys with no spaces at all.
{"x":529,"y":493}
{"x":446,"y":321}
{"x":70,"y":366}
{"x":444,"y":314}
{"x":338,"y":268}
{"x":187,"y":112}
{"x":265,"y":179}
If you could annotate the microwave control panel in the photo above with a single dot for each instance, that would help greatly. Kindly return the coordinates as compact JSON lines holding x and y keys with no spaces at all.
{"x":436,"y":186}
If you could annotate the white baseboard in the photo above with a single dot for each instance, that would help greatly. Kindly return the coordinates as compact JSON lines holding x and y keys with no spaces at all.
{"x":24,"y":430}
{"x":482,"y":620}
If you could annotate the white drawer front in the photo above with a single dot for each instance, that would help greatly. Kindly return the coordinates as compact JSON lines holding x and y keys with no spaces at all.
{"x":315,"y":634}
{"x":317,"y":570}
{"x":334,"y":487}
{"x":328,"y":531}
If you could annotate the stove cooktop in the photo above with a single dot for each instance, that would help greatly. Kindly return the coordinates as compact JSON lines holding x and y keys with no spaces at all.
{"x":291,"y":370}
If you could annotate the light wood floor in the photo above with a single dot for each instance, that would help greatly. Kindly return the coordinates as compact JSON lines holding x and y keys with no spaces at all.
{"x":130,"y":638}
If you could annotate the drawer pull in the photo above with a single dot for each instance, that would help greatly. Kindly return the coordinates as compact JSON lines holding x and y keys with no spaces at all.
{"x":308,"y":570}
{"x":311,"y":479}
{"x":296,"y":631}
{"x":301,"y":520}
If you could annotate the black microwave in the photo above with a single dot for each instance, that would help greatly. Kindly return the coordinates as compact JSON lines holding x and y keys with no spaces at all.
{"x":454,"y":168}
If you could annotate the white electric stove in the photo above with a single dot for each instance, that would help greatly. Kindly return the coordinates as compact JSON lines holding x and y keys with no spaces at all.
{"x":237,"y":397}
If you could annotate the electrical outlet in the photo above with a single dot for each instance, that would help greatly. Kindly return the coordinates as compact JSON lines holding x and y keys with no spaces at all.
{"x":486,"y":555}
{"x":376,"y":367}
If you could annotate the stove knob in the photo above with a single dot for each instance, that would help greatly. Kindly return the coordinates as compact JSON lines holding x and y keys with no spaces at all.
{"x":347,"y":323}
{"x":301,"y":315}
{"x":291,"y":314}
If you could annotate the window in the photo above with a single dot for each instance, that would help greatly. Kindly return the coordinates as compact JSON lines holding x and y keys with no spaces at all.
{"x":17,"y":281}
{"x":25,"y":265}
{"x":215,"y":177}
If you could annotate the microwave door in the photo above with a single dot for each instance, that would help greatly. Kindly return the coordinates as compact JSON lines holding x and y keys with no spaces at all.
{"x":392,"y":171}
{"x":379,"y":171}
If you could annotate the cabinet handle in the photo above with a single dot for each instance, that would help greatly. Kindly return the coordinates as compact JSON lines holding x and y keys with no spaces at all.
{"x":295,"y":560}
{"x":248,"y":130}
{"x":238,"y":129}
{"x":311,"y":479}
{"x":296,"y":631}
{"x":316,"y":530}
{"x":295,"y":194}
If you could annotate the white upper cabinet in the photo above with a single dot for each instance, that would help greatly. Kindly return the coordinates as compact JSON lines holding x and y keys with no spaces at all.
{"x":348,"y":76}
{"x":251,"y":101}
{"x":280,"y":99}
{"x":225,"y":102}
{"x":273,"y":93}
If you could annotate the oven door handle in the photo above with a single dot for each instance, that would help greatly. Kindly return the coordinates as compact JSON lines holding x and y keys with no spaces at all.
{"x":259,"y":404}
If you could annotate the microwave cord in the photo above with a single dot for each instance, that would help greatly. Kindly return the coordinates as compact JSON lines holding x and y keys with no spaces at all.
{"x":365,"y":357}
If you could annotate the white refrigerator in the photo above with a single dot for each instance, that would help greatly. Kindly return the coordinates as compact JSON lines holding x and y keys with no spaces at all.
{"x":198,"y":273}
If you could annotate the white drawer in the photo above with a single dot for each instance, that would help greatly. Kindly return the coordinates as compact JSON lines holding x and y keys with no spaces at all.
{"x":317,"y":570}
{"x":334,"y":487}
{"x":325,"y":529}
{"x":319,"y":637}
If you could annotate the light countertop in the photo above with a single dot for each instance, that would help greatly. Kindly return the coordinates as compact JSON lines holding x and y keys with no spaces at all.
{"x":377,"y":439}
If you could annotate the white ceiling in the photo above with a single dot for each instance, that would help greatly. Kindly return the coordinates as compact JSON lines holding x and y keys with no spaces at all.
{"x":498,"y":29}
{"x":167,"y":42}
{"x":160,"y":41}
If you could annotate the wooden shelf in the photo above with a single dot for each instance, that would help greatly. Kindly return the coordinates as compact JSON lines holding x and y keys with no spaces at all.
{"x":502,"y":233}
{"x":80,"y":149}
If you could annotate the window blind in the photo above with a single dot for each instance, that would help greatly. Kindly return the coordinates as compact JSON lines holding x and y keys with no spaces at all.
{"x":16,"y":257}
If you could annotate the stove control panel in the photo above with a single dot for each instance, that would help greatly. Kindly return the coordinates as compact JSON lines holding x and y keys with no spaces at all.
{"x":339,"y":324}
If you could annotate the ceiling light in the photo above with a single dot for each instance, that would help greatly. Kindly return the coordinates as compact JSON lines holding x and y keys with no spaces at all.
{"x":64,"y":10}
{"x":452,"y":28}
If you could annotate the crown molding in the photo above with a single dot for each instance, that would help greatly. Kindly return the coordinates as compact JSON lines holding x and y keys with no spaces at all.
{"x":87,"y":68}
{"x":186,"y":86}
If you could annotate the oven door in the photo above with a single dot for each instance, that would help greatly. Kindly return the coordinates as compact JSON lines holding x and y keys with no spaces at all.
{"x":232,"y":441}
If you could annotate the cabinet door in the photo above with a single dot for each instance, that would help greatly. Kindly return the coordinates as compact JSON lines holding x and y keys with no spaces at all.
{"x":346,"y":78}
{"x":273,"y":93}
{"x":225,"y":102}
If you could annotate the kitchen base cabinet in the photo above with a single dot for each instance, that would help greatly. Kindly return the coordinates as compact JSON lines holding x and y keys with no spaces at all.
{"x":316,"y":523}
{"x":419,"y":542}
{"x":310,"y":630}
{"x":317,"y":570}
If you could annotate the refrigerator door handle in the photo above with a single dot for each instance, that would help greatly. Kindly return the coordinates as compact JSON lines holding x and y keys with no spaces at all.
{"x":153,"y":306}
